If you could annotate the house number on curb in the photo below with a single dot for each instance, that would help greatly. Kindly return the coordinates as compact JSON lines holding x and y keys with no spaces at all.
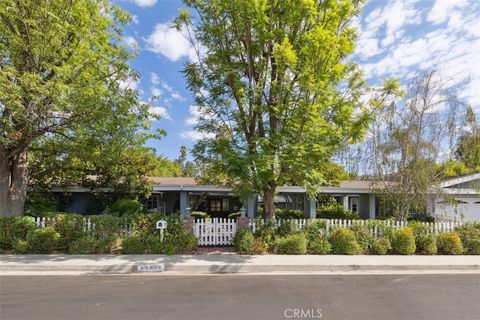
{"x":161,"y":225}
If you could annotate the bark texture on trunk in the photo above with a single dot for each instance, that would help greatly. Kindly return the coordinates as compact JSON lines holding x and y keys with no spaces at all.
{"x":269,"y":204}
{"x":13,"y":183}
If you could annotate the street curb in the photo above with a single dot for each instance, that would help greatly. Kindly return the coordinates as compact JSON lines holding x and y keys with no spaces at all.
{"x":231,"y":268}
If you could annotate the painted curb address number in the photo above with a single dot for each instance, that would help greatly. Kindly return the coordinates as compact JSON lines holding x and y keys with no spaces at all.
{"x":149,"y":268}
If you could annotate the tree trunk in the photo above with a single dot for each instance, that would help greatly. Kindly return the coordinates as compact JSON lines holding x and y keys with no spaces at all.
{"x":269,"y":204}
{"x":13,"y":183}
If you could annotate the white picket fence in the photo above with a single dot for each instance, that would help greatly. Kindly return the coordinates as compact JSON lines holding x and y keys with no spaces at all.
{"x":215,"y":232}
{"x":374,"y":226}
{"x":221,"y":231}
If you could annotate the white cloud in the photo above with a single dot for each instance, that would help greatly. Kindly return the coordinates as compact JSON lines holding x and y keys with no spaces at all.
{"x":194,"y":117}
{"x":135,"y":19}
{"x":392,"y":19}
{"x":454,"y":47}
{"x":155,"y":91}
{"x":161,"y":111}
{"x":129,"y":83}
{"x":195,"y":135}
{"x":154,"y":78}
{"x":168,"y":41}
{"x":131,"y":42}
{"x":443,"y":8}
{"x":144,"y":3}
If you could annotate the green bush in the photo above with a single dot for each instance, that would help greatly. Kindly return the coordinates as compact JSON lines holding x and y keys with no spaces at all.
{"x":43,"y":240}
{"x":317,"y":243}
{"x":244,"y":242}
{"x":70,"y":228}
{"x":126,"y":208}
{"x":287,"y":227}
{"x":343,"y":241}
{"x":470,"y":236}
{"x":39,"y":204}
{"x":289,"y":214}
{"x":132,"y":245}
{"x":336,"y":211}
{"x":426,"y":243}
{"x":177,"y":239}
{"x":363,"y":237}
{"x":259,"y":246}
{"x":14,"y":229}
{"x":265,"y":229}
{"x":403,"y":241}
{"x":449,"y":243}
{"x":380,"y":246}
{"x":84,"y":245}
{"x":20,"y":247}
{"x":200,"y":215}
{"x":154,"y":245}
{"x":291,"y":244}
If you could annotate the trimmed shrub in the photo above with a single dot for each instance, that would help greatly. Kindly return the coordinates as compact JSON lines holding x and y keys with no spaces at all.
{"x":336,"y":211}
{"x":43,"y":240}
{"x":287,"y":227}
{"x":84,"y":245}
{"x":244,"y":242}
{"x":426,"y":243}
{"x":380,"y":246}
{"x":20,"y":247}
{"x":449,"y":243}
{"x":343,"y":241}
{"x":470,"y":235}
{"x":154,"y":245}
{"x":14,"y":229}
{"x":291,"y":244}
{"x":132,"y":245}
{"x":317,"y":243}
{"x":403,"y":241}
{"x":126,"y":208}
{"x":363,"y":237}
{"x":70,"y":228}
{"x":259,"y":246}
{"x":289,"y":214}
{"x":265,"y":229}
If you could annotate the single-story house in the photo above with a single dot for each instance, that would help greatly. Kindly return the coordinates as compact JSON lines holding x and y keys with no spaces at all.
{"x":184,"y":195}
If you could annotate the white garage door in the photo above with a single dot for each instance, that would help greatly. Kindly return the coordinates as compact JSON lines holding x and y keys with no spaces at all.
{"x":467,"y":209}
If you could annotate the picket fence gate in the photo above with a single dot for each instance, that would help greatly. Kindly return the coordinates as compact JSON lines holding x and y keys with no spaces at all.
{"x":215,"y":232}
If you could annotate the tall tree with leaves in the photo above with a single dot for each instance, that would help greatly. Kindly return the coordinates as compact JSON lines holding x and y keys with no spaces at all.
{"x":468,"y":149}
{"x":275,"y":89}
{"x":61,"y":65}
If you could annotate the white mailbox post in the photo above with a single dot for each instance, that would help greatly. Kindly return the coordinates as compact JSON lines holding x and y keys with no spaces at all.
{"x":161,"y":225}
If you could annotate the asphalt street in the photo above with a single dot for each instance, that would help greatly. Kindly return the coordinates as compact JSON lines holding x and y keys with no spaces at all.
{"x":241,"y":297}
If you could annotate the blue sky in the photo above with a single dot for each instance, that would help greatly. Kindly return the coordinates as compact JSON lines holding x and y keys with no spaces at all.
{"x":398,"y":39}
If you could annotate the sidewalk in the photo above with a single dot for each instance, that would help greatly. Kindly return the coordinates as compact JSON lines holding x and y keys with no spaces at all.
{"x":205,"y":264}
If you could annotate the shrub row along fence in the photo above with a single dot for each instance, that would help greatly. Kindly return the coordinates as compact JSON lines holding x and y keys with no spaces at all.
{"x":221,"y":231}
{"x":88,"y":225}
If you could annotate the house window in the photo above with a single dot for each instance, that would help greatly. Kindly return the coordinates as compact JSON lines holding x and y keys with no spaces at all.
{"x":215,"y":205}
{"x":353,"y":204}
{"x":225,"y":204}
{"x":155,"y":203}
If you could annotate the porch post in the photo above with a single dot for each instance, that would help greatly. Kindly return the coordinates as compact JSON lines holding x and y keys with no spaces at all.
{"x":251,"y":204}
{"x":184,"y":204}
{"x":371,"y":206}
{"x":310,"y":208}
{"x":345,"y":202}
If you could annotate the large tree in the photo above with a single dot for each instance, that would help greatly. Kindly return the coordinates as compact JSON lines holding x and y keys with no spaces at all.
{"x":468,"y":149}
{"x":275,"y":88}
{"x":62,"y":66}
